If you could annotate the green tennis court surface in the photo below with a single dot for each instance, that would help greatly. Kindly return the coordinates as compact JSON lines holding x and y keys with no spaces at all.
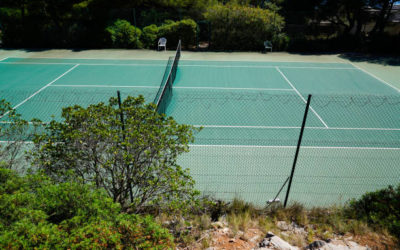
{"x":251,"y":114}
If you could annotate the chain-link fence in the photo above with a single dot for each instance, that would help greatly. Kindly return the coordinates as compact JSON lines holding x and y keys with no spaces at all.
{"x":246,"y":149}
{"x":351,"y":145}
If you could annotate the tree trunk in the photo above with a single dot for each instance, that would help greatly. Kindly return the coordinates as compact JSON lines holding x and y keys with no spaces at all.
{"x":383,"y":17}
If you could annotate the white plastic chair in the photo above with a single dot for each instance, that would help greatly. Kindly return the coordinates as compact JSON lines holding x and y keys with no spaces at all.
{"x":162,"y":42}
{"x":268,"y":45}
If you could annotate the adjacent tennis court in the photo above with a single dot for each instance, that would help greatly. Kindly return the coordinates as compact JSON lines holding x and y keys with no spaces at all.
{"x":251,"y":113}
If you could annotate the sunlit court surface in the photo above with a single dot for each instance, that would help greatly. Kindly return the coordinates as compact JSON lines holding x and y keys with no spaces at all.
{"x":250,"y":113}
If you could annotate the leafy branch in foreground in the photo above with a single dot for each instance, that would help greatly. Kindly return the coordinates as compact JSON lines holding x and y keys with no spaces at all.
{"x":39,"y":214}
{"x":134,"y":161}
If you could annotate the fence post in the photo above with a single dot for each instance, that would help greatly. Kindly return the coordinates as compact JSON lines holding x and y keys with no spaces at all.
{"x":297,"y":149}
{"x":123,"y":137}
{"x":121,"y":114}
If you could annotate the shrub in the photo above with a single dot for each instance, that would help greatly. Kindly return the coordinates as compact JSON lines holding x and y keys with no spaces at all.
{"x":135,"y":162}
{"x":150,"y":36}
{"x":124,"y":35}
{"x":236,"y":27}
{"x":380,"y":208}
{"x":184,"y":30}
{"x":36,"y":213}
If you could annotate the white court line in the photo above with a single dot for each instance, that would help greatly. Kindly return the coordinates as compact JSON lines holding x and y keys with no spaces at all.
{"x":212,"y":88}
{"x":88,"y":64}
{"x":180,"y":66}
{"x":265,"y":127}
{"x":25,"y":142}
{"x":377,"y":78}
{"x":104,"y":86}
{"x":252,"y":127}
{"x":42,"y":123}
{"x":135,"y":86}
{"x":264,"y":66}
{"x":41,"y":89}
{"x":287,"y":80}
{"x":303,"y":147}
{"x":294,"y":127}
{"x":255,"y":146}
{"x":184,"y":59}
{"x":100,"y":59}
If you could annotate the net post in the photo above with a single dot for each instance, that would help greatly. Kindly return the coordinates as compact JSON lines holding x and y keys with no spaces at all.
{"x":297,"y":149}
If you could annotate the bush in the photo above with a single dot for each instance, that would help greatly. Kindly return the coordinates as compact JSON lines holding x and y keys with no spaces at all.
{"x":124,"y":35}
{"x":380,"y":208}
{"x":134,"y":162}
{"x":35,"y":213}
{"x":235,"y":27}
{"x":185,"y":30}
{"x":150,"y":36}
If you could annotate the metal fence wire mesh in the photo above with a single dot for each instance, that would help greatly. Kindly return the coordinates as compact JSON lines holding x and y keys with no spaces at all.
{"x":248,"y":143}
{"x":351,"y":144}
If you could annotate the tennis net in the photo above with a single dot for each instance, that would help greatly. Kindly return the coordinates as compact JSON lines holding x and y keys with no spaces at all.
{"x":164,"y":93}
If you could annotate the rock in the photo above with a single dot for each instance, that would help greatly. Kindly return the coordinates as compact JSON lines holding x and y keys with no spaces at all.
{"x":269,"y":235}
{"x":254,"y":239}
{"x":264,"y":243}
{"x":341,"y":245}
{"x":217,"y":224}
{"x":284,"y":234}
{"x":282,"y":225}
{"x":226,"y":230}
{"x":232,"y":240}
{"x":278,"y":243}
{"x":275,"y":242}
{"x":239,"y":234}
{"x":316,"y":245}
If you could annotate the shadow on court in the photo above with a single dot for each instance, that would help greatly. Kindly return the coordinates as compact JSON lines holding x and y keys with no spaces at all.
{"x":372,"y":58}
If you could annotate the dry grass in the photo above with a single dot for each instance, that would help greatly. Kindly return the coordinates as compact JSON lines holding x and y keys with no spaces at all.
{"x":318,"y":223}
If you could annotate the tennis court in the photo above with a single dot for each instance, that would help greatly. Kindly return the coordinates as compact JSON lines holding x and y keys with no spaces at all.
{"x":251,"y":113}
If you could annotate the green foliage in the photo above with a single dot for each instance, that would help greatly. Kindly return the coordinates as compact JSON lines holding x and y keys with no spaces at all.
{"x":136,"y":164}
{"x":124,"y":35}
{"x":173,"y":31}
{"x":36,"y":213}
{"x":150,"y":36}
{"x":236,"y":27}
{"x":379,"y":208}
{"x":184,"y":30}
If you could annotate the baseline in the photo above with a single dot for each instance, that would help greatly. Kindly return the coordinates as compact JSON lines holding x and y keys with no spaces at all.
{"x":182,"y":60}
{"x":180,"y":66}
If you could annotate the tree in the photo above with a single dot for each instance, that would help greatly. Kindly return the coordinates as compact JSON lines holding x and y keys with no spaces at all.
{"x":135,"y":161}
{"x":237,"y":27}
{"x":346,"y":14}
{"x":385,"y":7}
{"x":124,"y":35}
